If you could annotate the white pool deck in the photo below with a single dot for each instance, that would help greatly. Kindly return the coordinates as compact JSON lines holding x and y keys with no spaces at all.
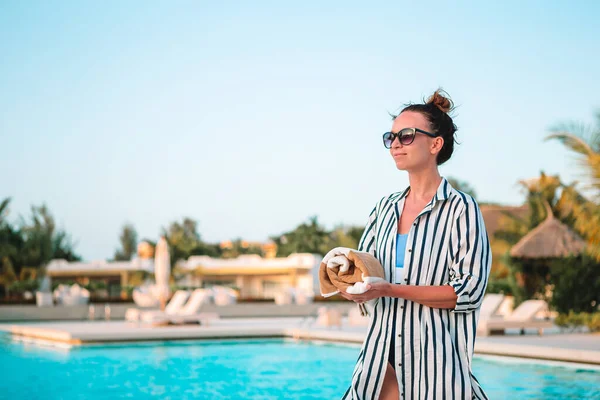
{"x":581,"y":348}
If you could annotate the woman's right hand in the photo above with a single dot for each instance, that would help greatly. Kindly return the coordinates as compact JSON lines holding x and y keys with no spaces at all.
{"x":346,"y":295}
{"x":350,"y":297}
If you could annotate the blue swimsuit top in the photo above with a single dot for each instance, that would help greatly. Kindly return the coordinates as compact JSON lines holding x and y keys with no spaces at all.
{"x":400,"y":249}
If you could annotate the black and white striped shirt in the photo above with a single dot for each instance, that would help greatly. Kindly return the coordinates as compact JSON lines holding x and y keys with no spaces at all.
{"x":447,"y":245}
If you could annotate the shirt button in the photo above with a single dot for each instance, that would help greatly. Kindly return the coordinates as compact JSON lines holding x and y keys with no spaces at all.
{"x":401,"y":307}
{"x":399,"y":364}
{"x":399,"y":335}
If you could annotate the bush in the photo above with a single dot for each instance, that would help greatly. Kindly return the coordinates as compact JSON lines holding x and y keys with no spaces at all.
{"x":574,"y":320}
{"x":499,"y":285}
{"x":93,"y":286}
{"x":55,"y":284}
{"x":593,"y":322}
{"x":527,"y":279}
{"x":128,"y":290}
{"x":576,"y":284}
{"x":24,"y":286}
{"x":573,"y":282}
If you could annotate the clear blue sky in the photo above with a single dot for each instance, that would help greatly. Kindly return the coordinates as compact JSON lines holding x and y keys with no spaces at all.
{"x":252,"y":116}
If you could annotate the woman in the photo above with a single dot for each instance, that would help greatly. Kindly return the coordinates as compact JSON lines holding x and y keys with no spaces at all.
{"x":432,"y":243}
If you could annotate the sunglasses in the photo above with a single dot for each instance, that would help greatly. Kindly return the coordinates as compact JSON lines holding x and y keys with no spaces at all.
{"x":406,"y":136}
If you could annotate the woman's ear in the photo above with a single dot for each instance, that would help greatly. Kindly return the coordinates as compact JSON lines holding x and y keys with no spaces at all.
{"x":436,"y":145}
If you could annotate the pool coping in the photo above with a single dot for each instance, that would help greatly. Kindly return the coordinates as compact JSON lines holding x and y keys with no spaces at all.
{"x":127,"y":333}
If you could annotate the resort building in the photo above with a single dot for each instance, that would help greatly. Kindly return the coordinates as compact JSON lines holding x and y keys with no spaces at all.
{"x":115,"y":275}
{"x":253,"y":275}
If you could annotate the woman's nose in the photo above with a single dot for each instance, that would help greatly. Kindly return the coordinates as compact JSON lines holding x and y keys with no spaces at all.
{"x":396,"y":144}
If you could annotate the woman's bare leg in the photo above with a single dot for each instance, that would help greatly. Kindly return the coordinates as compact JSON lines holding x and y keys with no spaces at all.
{"x":389,"y":391}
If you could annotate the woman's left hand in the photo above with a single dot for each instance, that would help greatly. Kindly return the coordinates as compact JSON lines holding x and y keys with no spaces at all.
{"x":374,"y":290}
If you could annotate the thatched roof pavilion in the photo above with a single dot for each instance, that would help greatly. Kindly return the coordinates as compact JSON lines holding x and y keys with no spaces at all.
{"x":550,"y":239}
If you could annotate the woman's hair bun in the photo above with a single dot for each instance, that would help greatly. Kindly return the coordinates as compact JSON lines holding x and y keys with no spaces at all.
{"x":441,"y":99}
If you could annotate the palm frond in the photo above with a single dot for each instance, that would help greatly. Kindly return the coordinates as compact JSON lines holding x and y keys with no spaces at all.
{"x":587,"y":147}
{"x":4,"y":209}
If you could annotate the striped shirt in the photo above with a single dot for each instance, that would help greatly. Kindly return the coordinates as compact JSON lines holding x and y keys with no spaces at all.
{"x":447,"y":245}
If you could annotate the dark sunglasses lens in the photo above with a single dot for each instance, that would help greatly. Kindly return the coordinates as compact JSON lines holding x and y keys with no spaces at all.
{"x":388,"y":138}
{"x":407,"y":137}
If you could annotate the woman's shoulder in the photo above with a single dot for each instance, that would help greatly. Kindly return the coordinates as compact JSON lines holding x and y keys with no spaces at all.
{"x":465,"y":200}
{"x":389,"y":199}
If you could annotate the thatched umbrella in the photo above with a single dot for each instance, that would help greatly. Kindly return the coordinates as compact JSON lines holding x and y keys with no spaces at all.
{"x":550,"y":239}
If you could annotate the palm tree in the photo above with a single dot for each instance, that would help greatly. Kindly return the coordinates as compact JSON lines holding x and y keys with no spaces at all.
{"x":128,"y":241}
{"x":584,"y":214}
{"x":308,"y":237}
{"x":540,"y":192}
{"x":4,"y":209}
{"x":7,"y":274}
{"x":585,"y":142}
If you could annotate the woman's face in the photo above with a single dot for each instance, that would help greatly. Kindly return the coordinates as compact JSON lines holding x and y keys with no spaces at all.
{"x":421,"y":153}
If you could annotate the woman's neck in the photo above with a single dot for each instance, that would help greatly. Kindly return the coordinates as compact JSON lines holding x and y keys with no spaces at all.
{"x":424,"y":184}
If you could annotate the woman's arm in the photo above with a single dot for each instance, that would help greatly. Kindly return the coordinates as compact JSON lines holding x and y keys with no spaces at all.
{"x":430,"y":296}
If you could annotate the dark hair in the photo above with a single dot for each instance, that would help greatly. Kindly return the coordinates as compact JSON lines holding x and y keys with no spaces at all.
{"x":436,"y":109}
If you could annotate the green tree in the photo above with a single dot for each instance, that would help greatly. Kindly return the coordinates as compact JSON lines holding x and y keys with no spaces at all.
{"x":30,"y":243}
{"x":240,"y":247}
{"x":11,"y":240}
{"x":312,"y":237}
{"x":345,"y":236}
{"x":584,"y":141}
{"x":544,"y":194}
{"x":583,"y":213}
{"x":42,"y":241}
{"x":128,"y":241}
{"x":539,"y":193}
{"x":183,"y":238}
{"x":4,"y":210}
{"x":575,"y":284}
{"x":207,"y":249}
{"x":7,"y":275}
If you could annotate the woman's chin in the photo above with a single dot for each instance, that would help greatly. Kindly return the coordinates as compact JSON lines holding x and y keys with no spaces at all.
{"x":402,"y":166}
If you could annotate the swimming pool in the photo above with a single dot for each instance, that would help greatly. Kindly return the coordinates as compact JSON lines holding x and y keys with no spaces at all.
{"x":248,"y":369}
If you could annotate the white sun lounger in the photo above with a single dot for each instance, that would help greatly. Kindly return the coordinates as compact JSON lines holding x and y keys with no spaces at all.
{"x":490,"y":305}
{"x":174,"y":305}
{"x":523,"y":317}
{"x":190,"y":313}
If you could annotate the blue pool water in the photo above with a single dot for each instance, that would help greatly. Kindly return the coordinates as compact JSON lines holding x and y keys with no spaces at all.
{"x":252,"y":369}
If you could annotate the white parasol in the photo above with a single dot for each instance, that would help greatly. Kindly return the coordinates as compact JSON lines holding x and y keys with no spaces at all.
{"x":162,"y":270}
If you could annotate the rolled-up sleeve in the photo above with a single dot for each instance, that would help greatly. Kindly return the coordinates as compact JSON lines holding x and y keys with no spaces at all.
{"x":471,"y":264}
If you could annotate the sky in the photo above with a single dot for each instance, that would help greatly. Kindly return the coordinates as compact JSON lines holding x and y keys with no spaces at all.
{"x":251,"y":117}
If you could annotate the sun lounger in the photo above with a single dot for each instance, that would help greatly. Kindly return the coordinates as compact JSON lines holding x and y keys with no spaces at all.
{"x":190,"y":313}
{"x":223,"y":296}
{"x":523,"y":317}
{"x":490,"y":305}
{"x":177,"y":301}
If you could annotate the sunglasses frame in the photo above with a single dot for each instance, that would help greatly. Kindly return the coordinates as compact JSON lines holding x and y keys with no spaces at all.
{"x":413,"y":134}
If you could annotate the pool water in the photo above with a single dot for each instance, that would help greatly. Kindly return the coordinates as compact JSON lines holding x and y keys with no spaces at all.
{"x":249,"y":369}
